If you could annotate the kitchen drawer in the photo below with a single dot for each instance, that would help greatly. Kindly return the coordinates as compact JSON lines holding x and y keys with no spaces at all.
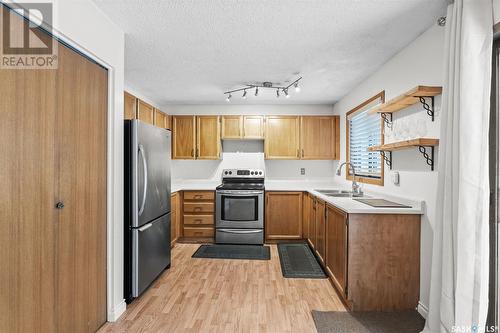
{"x":199,"y":219}
{"x":199,"y":207}
{"x":199,"y":195}
{"x":198,"y":232}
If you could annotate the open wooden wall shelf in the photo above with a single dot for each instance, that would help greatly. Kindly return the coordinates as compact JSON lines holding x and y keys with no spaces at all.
{"x":421,"y":143}
{"x":406,"y":144}
{"x":413,"y":96}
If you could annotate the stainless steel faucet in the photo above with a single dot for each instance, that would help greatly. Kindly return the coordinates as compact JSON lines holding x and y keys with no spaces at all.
{"x":356,"y":189}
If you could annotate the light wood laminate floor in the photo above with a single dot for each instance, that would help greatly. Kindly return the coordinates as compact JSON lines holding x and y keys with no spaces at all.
{"x":209,"y":295}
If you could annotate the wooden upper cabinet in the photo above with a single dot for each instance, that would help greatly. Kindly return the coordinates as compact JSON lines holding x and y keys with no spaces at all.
{"x":232,"y":127}
{"x":318,"y":137}
{"x":160,"y":119}
{"x":208,"y":145}
{"x":130,"y":106}
{"x":283,"y":215}
{"x":145,"y":112}
{"x":336,"y":246}
{"x":253,"y":127}
{"x":282,"y":137}
{"x":320,"y":230}
{"x":184,"y":137}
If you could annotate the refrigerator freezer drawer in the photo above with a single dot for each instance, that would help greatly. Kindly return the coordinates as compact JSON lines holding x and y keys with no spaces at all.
{"x":239,"y":236}
{"x":150,"y":253}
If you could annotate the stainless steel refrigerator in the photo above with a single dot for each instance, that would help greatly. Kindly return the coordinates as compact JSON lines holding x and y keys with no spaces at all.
{"x":147,"y":205}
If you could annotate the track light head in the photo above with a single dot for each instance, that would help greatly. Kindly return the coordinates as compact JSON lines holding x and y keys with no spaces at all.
{"x":286,"y":93}
{"x":277,"y":93}
{"x":244,"y":94}
{"x":297,"y":88}
{"x":256,"y":91}
{"x":228,"y":98}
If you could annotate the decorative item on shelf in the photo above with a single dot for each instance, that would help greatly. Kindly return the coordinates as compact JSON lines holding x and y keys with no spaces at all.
{"x":421,"y":143}
{"x":265,"y":85}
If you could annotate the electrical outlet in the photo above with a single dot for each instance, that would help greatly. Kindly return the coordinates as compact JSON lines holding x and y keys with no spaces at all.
{"x":302,"y":171}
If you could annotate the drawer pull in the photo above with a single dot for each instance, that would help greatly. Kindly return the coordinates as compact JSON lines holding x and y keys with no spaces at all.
{"x":198,"y":209}
{"x":198,"y":196}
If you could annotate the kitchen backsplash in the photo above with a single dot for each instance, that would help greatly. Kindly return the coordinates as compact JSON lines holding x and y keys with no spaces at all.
{"x":249,"y":154}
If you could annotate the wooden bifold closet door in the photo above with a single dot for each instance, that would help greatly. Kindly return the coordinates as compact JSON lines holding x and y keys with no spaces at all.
{"x":53,"y":149}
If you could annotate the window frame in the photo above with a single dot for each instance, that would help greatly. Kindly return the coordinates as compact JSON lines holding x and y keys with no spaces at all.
{"x":348,"y":174}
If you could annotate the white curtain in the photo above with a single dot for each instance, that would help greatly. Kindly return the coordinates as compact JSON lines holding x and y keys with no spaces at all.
{"x":459,"y":282}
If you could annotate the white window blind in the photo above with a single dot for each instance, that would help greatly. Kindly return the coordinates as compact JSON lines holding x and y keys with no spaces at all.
{"x":365,"y":131}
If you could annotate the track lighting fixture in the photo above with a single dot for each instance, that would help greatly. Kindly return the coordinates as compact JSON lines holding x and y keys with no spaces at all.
{"x":266,"y":85}
{"x":297,"y":88}
{"x":228,"y":99}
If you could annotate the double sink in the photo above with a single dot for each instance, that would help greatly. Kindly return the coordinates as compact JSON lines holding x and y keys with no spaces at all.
{"x":340,"y":193}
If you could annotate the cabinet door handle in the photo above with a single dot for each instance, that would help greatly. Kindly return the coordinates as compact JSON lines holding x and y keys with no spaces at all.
{"x":192,"y":152}
{"x":197,"y":152}
{"x":302,"y":152}
{"x":60,"y":205}
{"x":298,"y":152}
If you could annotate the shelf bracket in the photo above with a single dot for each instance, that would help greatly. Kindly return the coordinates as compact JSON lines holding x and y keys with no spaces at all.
{"x":387,"y":117}
{"x":428,"y":108}
{"x":387,"y":159}
{"x":428,"y":159}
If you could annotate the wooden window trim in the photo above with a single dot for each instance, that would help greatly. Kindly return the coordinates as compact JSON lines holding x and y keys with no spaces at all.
{"x":361,"y":179}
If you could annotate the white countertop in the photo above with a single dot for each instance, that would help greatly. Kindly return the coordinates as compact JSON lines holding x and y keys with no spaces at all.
{"x":348,"y":205}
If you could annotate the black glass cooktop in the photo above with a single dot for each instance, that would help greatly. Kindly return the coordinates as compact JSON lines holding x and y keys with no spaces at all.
{"x":241,"y":186}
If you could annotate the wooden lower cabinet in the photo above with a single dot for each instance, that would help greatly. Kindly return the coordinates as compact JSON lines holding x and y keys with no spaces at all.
{"x":283,"y":215}
{"x":373,"y":260}
{"x":336,"y":247}
{"x":175,"y":217}
{"x":198,"y":216}
{"x":320,"y":230}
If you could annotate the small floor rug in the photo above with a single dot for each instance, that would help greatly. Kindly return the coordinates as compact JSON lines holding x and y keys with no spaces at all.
{"x":223,"y":251}
{"x":298,"y":261}
{"x":368,"y":322}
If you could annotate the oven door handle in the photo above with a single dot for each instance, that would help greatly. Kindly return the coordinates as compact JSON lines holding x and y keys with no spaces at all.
{"x":249,"y":193}
{"x":240,"y":231}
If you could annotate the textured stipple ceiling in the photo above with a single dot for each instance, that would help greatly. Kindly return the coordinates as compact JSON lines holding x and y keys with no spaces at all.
{"x":191,"y":51}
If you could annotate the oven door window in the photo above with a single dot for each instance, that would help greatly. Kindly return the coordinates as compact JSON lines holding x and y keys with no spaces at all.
{"x":236,"y":208}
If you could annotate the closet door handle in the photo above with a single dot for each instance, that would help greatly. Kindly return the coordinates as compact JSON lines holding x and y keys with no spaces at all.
{"x":145,"y":191}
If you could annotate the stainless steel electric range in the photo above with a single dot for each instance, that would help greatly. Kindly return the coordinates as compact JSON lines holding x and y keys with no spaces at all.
{"x":240,"y":207}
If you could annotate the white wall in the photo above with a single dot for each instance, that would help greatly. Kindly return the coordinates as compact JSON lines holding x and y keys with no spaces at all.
{"x":420,"y":63}
{"x":84,"y":26}
{"x":250,"y":154}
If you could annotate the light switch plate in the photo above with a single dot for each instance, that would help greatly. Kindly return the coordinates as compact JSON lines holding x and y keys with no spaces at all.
{"x":302,"y":171}
{"x":395,"y":177}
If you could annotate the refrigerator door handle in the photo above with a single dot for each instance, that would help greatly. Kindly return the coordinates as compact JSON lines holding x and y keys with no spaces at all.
{"x":145,"y":227}
{"x":145,"y":191}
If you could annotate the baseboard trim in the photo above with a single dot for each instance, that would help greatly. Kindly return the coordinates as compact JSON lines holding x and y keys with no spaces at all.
{"x":423,"y":310}
{"x":117,"y":311}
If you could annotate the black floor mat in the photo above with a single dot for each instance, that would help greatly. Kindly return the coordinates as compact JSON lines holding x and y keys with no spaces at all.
{"x":298,"y":261}
{"x":409,"y":321}
{"x":220,"y":251}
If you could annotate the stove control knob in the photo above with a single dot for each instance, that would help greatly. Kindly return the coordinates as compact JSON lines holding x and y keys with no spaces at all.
{"x":260,"y":172}
{"x":225,"y":172}
{"x":230,"y":172}
{"x":251,"y":173}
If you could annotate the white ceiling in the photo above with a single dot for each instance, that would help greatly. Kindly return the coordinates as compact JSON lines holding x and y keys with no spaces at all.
{"x":191,"y":51}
